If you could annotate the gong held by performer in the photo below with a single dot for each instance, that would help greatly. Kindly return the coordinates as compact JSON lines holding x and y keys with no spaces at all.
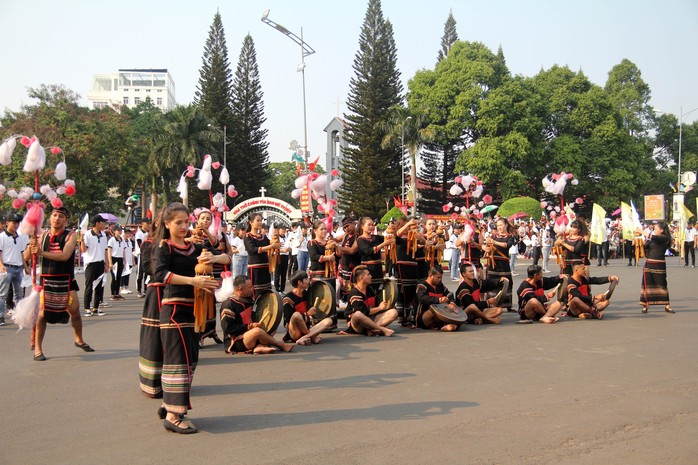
{"x":257,"y":246}
{"x":436,"y":310}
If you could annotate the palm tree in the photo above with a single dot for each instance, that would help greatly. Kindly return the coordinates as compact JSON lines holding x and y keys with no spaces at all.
{"x":185,"y":138}
{"x":405,"y":127}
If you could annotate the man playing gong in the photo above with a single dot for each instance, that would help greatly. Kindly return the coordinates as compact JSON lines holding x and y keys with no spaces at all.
{"x":430,"y":292}
{"x":363,"y":315}
{"x":298,"y":318}
{"x":240,"y":332}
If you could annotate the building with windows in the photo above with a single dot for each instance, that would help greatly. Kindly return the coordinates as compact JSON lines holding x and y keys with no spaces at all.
{"x":129,"y":87}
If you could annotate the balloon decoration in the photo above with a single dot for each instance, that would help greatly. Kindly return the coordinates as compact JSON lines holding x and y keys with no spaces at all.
{"x":317,"y":184}
{"x":34,"y":199}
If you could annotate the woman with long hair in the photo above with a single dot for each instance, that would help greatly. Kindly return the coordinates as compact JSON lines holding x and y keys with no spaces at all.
{"x":574,"y":246}
{"x":257,"y":246}
{"x":406,"y":271}
{"x":370,"y":246}
{"x":655,"y":290}
{"x":319,"y":259}
{"x":174,"y":262}
{"x":497,"y":246}
{"x":204,"y":219}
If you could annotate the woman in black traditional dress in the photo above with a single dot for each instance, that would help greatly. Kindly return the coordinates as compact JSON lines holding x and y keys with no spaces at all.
{"x":574,"y":246}
{"x":654,"y":284}
{"x":150,"y":348}
{"x":216,"y":246}
{"x":174,"y":262}
{"x":370,"y":246}
{"x":318,"y":259}
{"x":406,"y":271}
{"x":498,"y":245}
{"x":258,"y":245}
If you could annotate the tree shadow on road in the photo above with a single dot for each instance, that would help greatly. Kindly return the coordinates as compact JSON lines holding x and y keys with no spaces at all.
{"x":388,"y":412}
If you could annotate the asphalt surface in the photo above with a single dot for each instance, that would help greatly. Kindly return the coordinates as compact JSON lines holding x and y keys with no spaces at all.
{"x":618,"y":391}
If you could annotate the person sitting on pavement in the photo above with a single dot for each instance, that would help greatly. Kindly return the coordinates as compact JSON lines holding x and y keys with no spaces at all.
{"x":469,"y":293}
{"x":582,"y":303}
{"x":363,"y":315}
{"x":534,"y":303}
{"x":241,"y":334}
{"x":432,"y":291}
{"x":298,"y":318}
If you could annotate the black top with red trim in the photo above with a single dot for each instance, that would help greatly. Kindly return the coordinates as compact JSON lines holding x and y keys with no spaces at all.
{"x":427,"y":295}
{"x":467,"y":294}
{"x":173,"y":259}
{"x":349,"y":260}
{"x":293,"y":303}
{"x":236,"y":316}
{"x":253,"y":243}
{"x":536,"y":290}
{"x":360,"y":302}
{"x":316,"y":250}
{"x":55,"y":244}
{"x":582,"y":290}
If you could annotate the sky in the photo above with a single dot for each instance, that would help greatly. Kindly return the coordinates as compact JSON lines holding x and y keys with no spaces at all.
{"x":67,"y":42}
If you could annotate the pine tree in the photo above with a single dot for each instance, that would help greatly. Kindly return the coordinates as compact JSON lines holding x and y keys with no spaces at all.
{"x":248,"y":140}
{"x":214,"y":89}
{"x":371,"y":174}
{"x":449,"y":38}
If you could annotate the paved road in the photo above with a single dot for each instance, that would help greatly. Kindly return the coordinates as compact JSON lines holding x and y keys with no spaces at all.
{"x":618,"y":391}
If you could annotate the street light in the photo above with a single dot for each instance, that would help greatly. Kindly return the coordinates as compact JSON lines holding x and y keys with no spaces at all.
{"x":306,"y":50}
{"x":402,"y":160}
{"x":225,"y":153}
{"x":678,"y":185}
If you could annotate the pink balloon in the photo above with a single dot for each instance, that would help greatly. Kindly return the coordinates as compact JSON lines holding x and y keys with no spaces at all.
{"x":543,"y":204}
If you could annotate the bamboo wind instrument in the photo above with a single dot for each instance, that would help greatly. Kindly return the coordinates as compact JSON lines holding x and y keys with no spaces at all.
{"x":438,"y":251}
{"x":273,"y":254}
{"x":204,"y":306}
{"x":391,"y":249}
{"x":490,"y":254}
{"x":412,"y":241}
{"x":429,"y":249}
{"x":329,"y":264}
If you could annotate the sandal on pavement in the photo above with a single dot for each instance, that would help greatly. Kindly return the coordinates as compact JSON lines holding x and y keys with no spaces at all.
{"x":644,"y":309}
{"x":668,"y":309}
{"x":39,"y":357}
{"x":84,"y":346}
{"x":175,"y":428}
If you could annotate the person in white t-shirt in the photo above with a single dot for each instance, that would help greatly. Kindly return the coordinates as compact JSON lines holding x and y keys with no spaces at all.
{"x":93,"y":246}
{"x":237,"y":245}
{"x":12,"y":265}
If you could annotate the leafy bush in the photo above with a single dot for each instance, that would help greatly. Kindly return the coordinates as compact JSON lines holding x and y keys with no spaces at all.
{"x":393,"y":213}
{"x":519,"y":205}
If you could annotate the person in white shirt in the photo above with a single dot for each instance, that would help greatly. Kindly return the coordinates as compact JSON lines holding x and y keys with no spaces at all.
{"x":12,"y":265}
{"x":536,"y":248}
{"x":129,"y":261}
{"x":689,"y":245}
{"x":301,"y":244}
{"x":237,"y":245}
{"x":97,"y":263}
{"x":141,"y":235}
{"x":282,"y":266}
{"x":454,"y":260}
{"x":293,"y":258}
{"x":115,"y":252}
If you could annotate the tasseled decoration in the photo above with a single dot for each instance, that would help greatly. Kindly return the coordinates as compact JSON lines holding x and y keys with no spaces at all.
{"x":61,"y":171}
{"x":456,"y":190}
{"x":334,"y":185}
{"x":224,"y":177}
{"x":36,"y":158}
{"x":560,"y":185}
{"x":295,"y":193}
{"x":319,"y":185}
{"x":468,"y":232}
{"x":205,"y":176}
{"x":182,"y":188}
{"x":204,"y":306}
{"x":226,"y":289}
{"x":27,"y":309}
{"x":32,"y":221}
{"x":6,"y":149}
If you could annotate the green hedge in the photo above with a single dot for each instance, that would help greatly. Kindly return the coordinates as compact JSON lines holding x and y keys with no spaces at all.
{"x":393,"y":213}
{"x":521,"y":204}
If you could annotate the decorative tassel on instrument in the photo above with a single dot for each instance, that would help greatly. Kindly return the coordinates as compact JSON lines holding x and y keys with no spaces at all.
{"x":204,"y":306}
{"x":273,"y":253}
{"x":391,"y":250}
{"x":412,"y":241}
{"x":438,"y":251}
{"x":639,"y":246}
{"x":330,"y":264}
{"x":429,"y":249}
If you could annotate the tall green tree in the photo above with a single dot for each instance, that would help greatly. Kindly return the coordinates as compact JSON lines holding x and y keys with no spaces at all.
{"x":96,"y":147}
{"x":630,"y":95}
{"x":449,"y":38}
{"x":371,"y":173}
{"x":213,"y":92}
{"x":452,"y":94}
{"x":250,"y":158}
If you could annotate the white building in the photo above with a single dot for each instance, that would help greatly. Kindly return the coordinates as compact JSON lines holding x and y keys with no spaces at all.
{"x":129,"y":87}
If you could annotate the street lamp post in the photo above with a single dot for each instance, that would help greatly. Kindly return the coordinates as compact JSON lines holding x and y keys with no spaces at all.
{"x":306,"y":50}
{"x":678,"y":185}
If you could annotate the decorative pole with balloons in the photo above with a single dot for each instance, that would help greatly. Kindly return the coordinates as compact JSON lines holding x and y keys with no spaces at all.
{"x":471,"y":188}
{"x":316,"y":184}
{"x":33,"y":198}
{"x":555,"y":183}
